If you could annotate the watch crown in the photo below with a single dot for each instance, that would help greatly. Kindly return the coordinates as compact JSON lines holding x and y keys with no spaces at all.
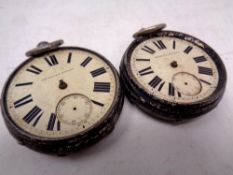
{"x":44,"y":46}
{"x":149,"y":30}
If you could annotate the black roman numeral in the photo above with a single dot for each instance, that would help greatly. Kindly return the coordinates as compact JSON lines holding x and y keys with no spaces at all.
{"x":86,"y":61}
{"x":179,"y":94}
{"x":146,"y":71}
{"x":155,"y":81}
{"x":69,"y":58}
{"x":139,"y":59}
{"x":171,"y":90}
{"x":52,"y":121}
{"x":52,"y":60}
{"x":174,"y":45}
{"x":161,"y":86}
{"x":97,"y":103}
{"x":98,"y":72}
{"x":35,"y":112}
{"x":188,"y":49}
{"x":205,"y":70}
{"x":148,"y":50}
{"x":101,"y":87}
{"x":160,"y":45}
{"x":34,"y":69}
{"x":23,"y":101}
{"x":23,"y":84}
{"x":199,"y":59}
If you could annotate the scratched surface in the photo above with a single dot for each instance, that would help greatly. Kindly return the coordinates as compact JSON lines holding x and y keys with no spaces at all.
{"x":139,"y":144}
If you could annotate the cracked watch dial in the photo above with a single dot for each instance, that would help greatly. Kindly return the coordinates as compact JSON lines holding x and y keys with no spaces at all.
{"x":61,"y":93}
{"x":174,"y":69}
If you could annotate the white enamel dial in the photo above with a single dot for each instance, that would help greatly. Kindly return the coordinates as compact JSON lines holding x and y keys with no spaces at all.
{"x":174,"y":70}
{"x":61,"y":93}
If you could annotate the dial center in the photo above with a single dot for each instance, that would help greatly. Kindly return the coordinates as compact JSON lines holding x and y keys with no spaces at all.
{"x":62,"y":84}
{"x":173,"y":64}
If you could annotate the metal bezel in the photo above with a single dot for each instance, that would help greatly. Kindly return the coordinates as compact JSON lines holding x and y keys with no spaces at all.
{"x":19,"y":131}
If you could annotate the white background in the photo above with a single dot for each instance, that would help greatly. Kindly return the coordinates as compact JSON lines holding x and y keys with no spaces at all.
{"x":139,"y":144}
